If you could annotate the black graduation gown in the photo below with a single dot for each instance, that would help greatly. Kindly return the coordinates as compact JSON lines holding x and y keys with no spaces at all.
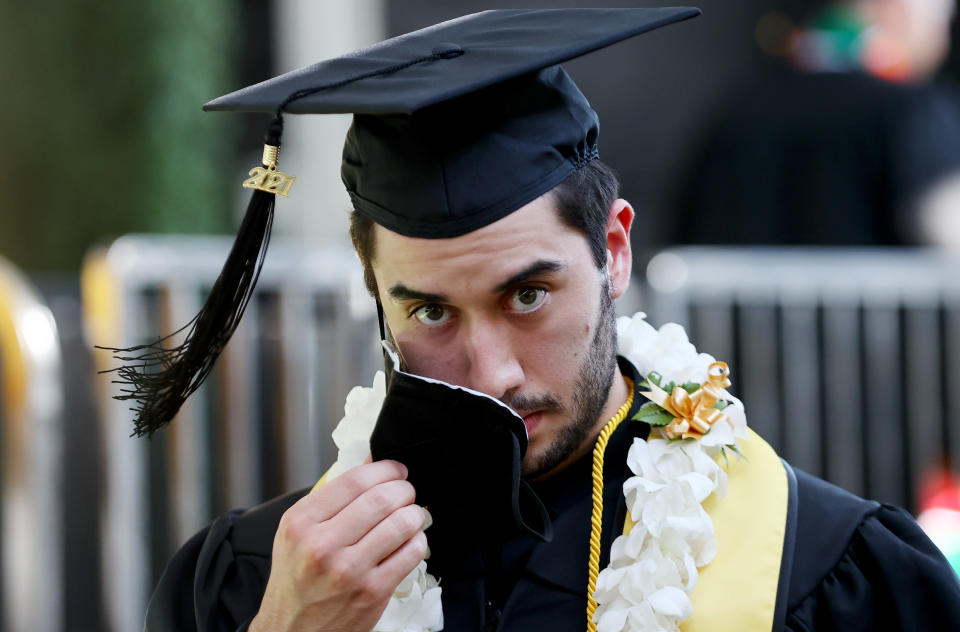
{"x":848,"y":564}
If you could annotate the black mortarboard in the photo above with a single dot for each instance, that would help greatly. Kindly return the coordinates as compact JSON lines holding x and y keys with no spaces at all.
{"x":461,"y":123}
{"x":455,"y":126}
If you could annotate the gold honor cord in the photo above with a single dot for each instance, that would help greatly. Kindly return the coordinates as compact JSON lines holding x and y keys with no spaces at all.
{"x":596,"y":517}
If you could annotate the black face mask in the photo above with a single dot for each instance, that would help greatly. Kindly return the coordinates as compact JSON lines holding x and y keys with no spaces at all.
{"x":463,"y":451}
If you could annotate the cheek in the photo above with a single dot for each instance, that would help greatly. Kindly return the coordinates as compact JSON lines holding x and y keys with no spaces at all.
{"x":560,"y":344}
{"x":430,"y":359}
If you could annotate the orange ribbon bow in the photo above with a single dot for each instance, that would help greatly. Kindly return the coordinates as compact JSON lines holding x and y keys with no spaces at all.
{"x":693,"y":413}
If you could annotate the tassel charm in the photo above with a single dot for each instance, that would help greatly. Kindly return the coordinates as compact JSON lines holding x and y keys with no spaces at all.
{"x":268,"y":178}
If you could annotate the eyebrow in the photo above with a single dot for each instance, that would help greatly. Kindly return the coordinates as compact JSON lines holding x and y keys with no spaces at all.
{"x":401,"y":292}
{"x":535,"y":268}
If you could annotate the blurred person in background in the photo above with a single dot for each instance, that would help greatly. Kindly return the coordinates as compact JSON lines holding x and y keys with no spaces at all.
{"x":847,"y":143}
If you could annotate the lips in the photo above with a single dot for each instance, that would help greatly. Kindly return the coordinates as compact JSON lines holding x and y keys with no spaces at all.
{"x":532,"y":420}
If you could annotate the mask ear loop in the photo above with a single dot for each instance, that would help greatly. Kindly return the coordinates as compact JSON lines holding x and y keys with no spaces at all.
{"x":388,"y":343}
{"x":387,"y":361}
{"x":383,"y":335}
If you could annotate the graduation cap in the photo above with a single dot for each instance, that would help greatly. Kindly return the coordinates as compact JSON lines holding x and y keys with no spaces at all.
{"x":455,"y":126}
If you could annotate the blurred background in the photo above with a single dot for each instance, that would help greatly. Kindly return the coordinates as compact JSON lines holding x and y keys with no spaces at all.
{"x":794,"y":165}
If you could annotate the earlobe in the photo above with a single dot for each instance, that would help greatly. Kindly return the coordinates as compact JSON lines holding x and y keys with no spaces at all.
{"x":619,"y":254}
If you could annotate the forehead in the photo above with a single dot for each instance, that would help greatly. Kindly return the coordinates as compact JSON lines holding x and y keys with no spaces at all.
{"x":535,"y":231}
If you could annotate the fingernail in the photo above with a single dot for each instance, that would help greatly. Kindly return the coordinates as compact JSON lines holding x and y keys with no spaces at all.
{"x":427,"y":519}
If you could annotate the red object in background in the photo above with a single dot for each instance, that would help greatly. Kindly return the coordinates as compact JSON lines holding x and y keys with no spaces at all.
{"x":939,"y":488}
{"x":939,"y":512}
{"x":948,"y":498}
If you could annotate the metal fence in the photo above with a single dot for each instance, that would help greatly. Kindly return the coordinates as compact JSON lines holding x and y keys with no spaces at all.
{"x":848,"y":360}
{"x":261,"y":424}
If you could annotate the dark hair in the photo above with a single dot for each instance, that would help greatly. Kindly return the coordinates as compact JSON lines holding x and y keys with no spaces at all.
{"x":583,"y":200}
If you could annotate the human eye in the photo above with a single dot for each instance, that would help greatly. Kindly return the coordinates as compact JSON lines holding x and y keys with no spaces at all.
{"x":431,"y":314}
{"x":526,"y":299}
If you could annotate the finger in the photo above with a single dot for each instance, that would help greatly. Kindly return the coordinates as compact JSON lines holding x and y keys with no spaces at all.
{"x":367,"y":511}
{"x":398,"y":565}
{"x":388,"y":535}
{"x":330,"y":499}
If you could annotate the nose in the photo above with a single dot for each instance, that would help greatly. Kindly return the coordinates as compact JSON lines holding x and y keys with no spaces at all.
{"x":494,"y":365}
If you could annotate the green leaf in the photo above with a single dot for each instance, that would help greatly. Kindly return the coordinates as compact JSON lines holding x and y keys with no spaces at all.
{"x":738,"y":452}
{"x":726,"y":461}
{"x":654,"y":377}
{"x":646,"y":409}
{"x":669,"y":387}
{"x":720,"y":405}
{"x":657,"y":417}
{"x":690,"y":387}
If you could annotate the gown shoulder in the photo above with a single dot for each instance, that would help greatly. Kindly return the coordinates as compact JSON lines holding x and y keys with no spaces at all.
{"x":862,"y":565}
{"x":216,"y":580}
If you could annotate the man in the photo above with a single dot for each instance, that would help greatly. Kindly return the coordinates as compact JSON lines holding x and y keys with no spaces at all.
{"x":525,"y":316}
{"x":495,"y":242}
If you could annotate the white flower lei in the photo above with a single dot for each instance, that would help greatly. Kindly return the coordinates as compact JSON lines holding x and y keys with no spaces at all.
{"x":653,"y":570}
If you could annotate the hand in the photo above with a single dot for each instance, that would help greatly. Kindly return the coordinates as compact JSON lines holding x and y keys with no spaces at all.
{"x":341,"y":551}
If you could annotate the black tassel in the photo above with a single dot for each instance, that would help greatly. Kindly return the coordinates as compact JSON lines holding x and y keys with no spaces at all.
{"x":160,"y":379}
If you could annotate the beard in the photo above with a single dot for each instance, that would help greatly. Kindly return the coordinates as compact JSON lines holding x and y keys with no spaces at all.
{"x":592,"y":387}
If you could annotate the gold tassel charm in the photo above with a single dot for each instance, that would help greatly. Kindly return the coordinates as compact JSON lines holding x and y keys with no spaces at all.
{"x":267,"y":178}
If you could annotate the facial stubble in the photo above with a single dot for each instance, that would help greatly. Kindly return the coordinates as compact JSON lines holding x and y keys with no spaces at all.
{"x":592,"y":387}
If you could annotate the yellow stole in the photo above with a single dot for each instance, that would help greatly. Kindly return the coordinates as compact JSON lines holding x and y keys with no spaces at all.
{"x":737,"y":591}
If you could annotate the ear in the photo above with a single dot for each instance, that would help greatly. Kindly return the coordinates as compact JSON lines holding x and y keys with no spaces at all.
{"x":619,"y":255}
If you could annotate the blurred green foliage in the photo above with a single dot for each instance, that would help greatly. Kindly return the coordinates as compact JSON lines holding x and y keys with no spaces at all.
{"x":103,"y":132}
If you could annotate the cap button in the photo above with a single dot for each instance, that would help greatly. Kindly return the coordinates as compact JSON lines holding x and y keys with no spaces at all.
{"x":446,"y":51}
